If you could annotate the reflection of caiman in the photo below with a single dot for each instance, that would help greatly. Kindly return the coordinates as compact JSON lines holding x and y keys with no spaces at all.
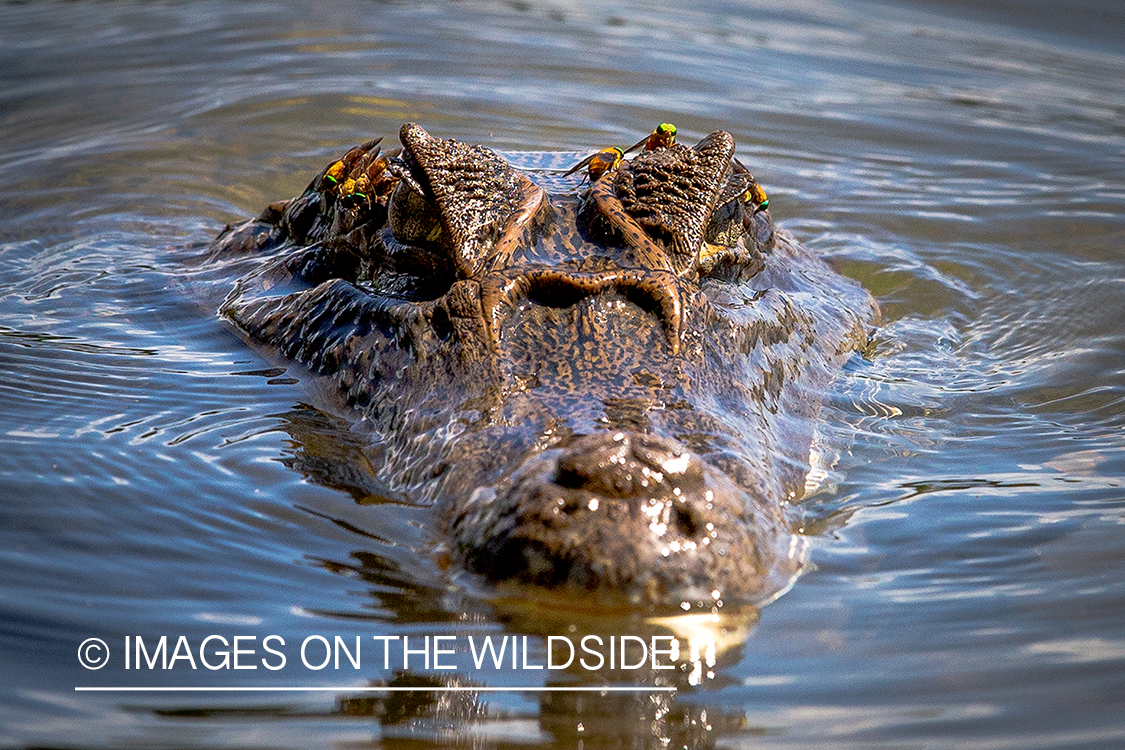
{"x":601,"y":387}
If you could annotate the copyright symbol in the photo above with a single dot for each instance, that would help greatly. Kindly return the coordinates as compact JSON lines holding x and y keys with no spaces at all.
{"x":93,"y":653}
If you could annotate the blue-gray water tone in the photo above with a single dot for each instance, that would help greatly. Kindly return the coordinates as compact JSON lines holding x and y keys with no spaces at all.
{"x":965,"y":577}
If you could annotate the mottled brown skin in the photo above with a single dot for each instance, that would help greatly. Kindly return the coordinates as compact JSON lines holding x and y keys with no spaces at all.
{"x":608,"y":388}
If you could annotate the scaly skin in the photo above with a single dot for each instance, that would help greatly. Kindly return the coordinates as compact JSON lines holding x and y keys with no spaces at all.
{"x":609,"y":389}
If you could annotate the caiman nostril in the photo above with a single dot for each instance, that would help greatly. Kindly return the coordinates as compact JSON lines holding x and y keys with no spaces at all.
{"x":596,"y":463}
{"x":623,"y":465}
{"x":680,"y":468}
{"x":685,"y":520}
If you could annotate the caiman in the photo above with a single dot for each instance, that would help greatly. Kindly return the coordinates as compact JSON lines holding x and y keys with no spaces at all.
{"x":604,"y":383}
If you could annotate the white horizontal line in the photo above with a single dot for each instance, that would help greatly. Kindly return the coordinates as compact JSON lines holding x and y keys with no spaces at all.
{"x":386,"y":689}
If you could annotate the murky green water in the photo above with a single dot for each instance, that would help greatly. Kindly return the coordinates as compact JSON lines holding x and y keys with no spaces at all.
{"x":967,"y":556}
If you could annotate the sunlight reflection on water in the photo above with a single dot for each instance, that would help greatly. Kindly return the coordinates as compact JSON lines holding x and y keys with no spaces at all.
{"x":966,"y":555}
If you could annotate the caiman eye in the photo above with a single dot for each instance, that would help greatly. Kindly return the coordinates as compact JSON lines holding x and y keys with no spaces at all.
{"x":726,"y":224}
{"x":730,"y":250}
{"x":414,"y":220}
{"x":666,"y":194}
{"x":477,"y":197}
{"x":454,"y":209}
{"x":415,"y":264}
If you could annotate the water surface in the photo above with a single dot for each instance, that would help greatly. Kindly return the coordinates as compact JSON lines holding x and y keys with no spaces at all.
{"x":966,"y":550}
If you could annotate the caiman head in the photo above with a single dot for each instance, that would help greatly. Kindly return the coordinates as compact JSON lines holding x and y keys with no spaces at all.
{"x":602,"y":386}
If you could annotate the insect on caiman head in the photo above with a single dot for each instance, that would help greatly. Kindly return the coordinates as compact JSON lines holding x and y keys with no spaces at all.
{"x":603,"y":386}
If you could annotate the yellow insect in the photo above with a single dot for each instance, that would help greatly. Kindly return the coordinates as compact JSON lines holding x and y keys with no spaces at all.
{"x":663,"y":137}
{"x":380,"y":181}
{"x":335,"y":173}
{"x":606,"y":160}
{"x":756,"y":197}
{"x":340,"y":169}
{"x":377,"y":168}
{"x":359,"y":190}
{"x":355,"y":191}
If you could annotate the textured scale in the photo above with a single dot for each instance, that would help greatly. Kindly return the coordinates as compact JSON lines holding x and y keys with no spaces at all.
{"x":606,"y":385}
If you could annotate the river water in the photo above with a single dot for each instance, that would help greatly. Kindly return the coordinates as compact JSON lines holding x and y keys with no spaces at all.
{"x":966,"y":550}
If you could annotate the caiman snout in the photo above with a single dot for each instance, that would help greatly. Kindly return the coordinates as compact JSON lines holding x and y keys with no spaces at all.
{"x":624,"y":465}
{"x":628,"y":514}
